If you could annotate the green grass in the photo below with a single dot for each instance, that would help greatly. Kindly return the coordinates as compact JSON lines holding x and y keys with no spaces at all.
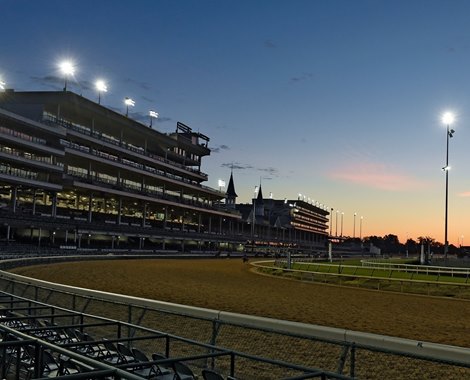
{"x":352,"y":273}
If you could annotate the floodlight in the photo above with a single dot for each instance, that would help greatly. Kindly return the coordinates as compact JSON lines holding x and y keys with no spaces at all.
{"x":448,"y":118}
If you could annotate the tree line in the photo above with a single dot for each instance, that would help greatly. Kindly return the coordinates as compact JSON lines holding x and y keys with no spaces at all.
{"x":390,"y":244}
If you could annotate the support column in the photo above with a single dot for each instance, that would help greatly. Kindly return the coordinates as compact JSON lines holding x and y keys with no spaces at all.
{"x":165,"y":218}
{"x":90,"y":208}
{"x":34,"y":202}
{"x":14,"y":195}
{"x":54,"y":205}
{"x":119,"y":210}
{"x":144,"y":214}
{"x":199,"y":223}
{"x":210,"y":224}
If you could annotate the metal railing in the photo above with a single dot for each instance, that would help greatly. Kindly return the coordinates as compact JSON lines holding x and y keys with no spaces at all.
{"x":338,"y":351}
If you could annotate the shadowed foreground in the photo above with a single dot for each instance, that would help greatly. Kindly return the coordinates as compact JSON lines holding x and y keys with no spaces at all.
{"x":229,"y":285}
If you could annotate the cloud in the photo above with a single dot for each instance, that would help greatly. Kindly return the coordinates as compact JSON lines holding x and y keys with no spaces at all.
{"x":236,"y":166}
{"x":270,"y":171}
{"x":375,"y":175}
{"x":465,"y":194}
{"x":49,"y":81}
{"x":145,"y":98}
{"x":53,"y":81}
{"x":269,"y":44}
{"x":219,"y":148}
{"x":303,"y":77}
{"x":142,"y":85}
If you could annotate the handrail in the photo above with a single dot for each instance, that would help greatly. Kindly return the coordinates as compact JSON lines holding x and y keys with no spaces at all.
{"x":432,"y":351}
{"x":425,"y":269}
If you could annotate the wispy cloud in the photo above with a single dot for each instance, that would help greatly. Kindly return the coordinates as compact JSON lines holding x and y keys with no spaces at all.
{"x":219,"y":148}
{"x":465,"y":194}
{"x":236,"y":166}
{"x":302,"y":77}
{"x":269,"y":44}
{"x":376,"y":175}
{"x":273,"y":172}
{"x":142,"y":85}
{"x":267,"y":172}
{"x":53,"y":81}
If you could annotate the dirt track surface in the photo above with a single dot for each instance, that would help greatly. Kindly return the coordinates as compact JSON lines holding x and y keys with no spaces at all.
{"x":229,"y":285}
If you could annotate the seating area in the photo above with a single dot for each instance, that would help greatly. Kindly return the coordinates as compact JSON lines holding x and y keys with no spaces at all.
{"x":37,"y":347}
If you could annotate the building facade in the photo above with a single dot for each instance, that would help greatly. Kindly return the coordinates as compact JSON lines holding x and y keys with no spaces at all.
{"x":75,"y":172}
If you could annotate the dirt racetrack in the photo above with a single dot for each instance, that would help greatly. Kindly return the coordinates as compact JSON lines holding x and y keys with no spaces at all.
{"x":230,"y":285}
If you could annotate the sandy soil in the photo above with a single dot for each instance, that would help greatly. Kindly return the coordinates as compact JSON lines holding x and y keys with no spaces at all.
{"x":230,"y":285}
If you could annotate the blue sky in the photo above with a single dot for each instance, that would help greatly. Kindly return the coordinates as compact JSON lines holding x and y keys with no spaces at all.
{"x":338,"y":100}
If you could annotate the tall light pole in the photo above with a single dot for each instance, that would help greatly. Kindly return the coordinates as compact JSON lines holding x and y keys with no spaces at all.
{"x":253,"y":221}
{"x":100,"y":86}
{"x":354,"y":226}
{"x":448,"y":118}
{"x":331,"y":221}
{"x":360,"y":228}
{"x":67,"y":68}
{"x":336,"y":230}
{"x":153,"y":115}
{"x":342,"y":216}
{"x":128,"y":102}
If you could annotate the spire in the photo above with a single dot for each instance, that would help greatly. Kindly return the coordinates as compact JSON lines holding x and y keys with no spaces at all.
{"x":259,"y":199}
{"x":231,"y":187}
{"x":230,"y":194}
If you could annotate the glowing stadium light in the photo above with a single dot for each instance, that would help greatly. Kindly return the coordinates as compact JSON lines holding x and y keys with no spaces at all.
{"x":68,"y":69}
{"x":153,"y":115}
{"x":2,"y":85}
{"x":129,"y":103}
{"x":447,"y":119}
{"x":100,"y":86}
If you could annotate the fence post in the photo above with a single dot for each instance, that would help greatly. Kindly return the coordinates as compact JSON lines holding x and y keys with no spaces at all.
{"x":352,"y":371}
{"x":129,"y":320}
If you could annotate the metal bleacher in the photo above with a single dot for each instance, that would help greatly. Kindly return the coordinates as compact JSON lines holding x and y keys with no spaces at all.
{"x":42,"y":341}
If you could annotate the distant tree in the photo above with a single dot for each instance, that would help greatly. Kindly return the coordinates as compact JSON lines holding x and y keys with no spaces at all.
{"x":391,"y":244}
{"x":411,"y":246}
{"x":426,"y":240}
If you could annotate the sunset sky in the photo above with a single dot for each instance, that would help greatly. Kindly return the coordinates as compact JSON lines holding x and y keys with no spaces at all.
{"x":340,"y":100}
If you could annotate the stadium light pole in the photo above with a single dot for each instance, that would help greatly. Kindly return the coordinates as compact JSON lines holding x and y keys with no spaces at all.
{"x":331,"y":221}
{"x":342,"y":216}
{"x":354,"y":226}
{"x":67,"y":68}
{"x":360,"y":228}
{"x":153,"y":115}
{"x":100,"y":87}
{"x":336,"y":229}
{"x":447,"y":119}
{"x":253,"y":220}
{"x":128,"y":102}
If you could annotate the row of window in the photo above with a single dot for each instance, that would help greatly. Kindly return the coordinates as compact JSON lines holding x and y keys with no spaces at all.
{"x":21,"y":135}
{"x":48,"y":118}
